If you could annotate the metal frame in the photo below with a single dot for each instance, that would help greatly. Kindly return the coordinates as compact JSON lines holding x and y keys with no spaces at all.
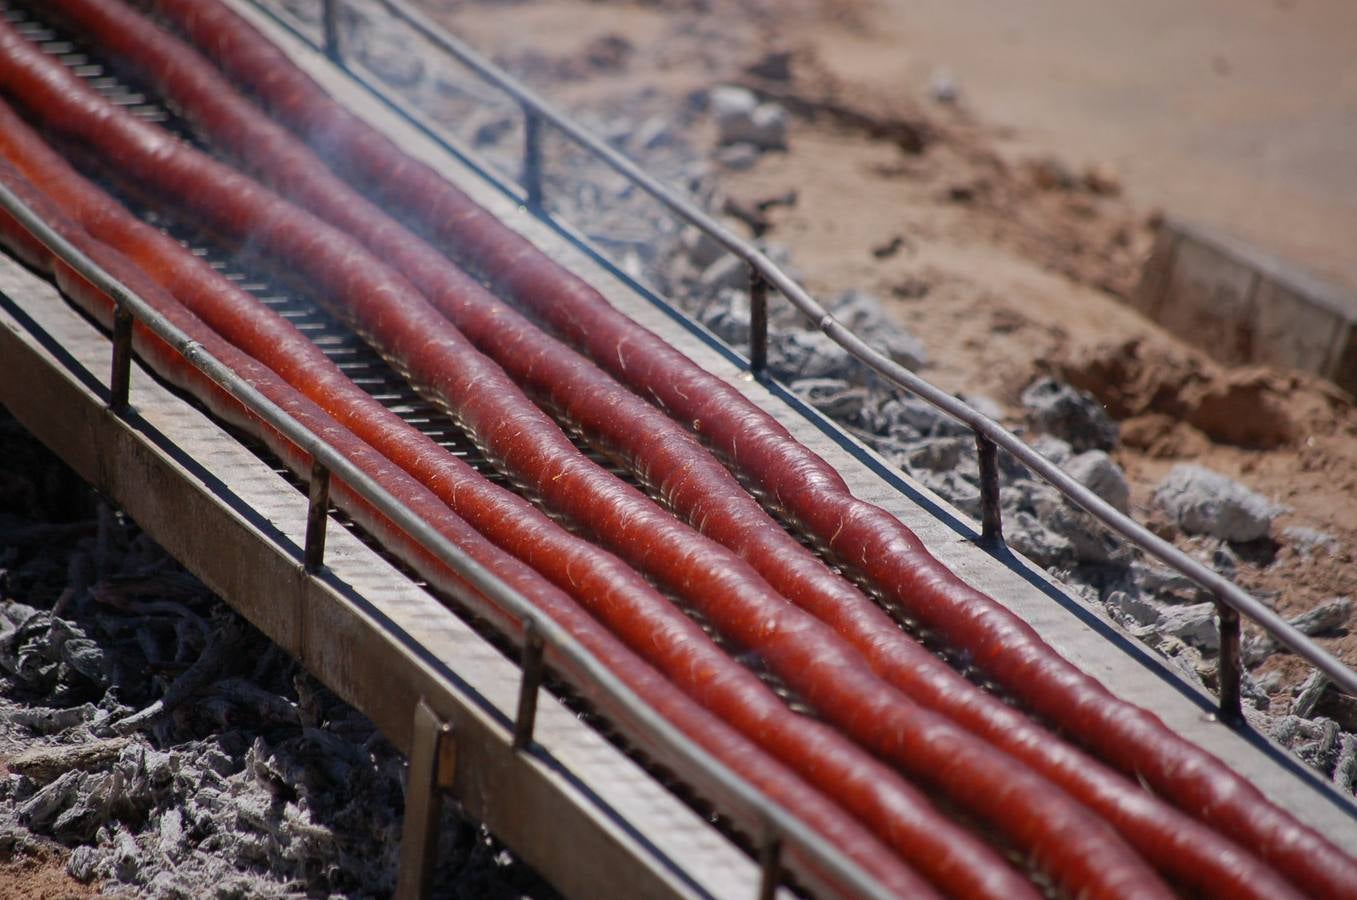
{"x":1230,"y":599}
{"x":782,"y":827}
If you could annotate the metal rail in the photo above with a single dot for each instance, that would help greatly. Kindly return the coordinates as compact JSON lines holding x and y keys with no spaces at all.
{"x":1230,"y":599}
{"x":781,"y":828}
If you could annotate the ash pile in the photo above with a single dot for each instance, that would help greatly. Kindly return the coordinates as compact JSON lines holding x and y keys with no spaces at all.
{"x":163,"y":746}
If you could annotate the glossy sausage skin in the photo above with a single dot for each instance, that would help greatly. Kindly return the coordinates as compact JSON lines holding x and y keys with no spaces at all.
{"x":1007,"y":649}
{"x":1080,"y":851}
{"x":662,"y":453}
{"x":715,"y":735}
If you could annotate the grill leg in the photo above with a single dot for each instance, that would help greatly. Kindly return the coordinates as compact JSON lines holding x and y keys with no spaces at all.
{"x":433,"y":760}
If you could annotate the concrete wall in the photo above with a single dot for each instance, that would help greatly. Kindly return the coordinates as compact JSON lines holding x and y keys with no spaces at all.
{"x":1243,"y":306}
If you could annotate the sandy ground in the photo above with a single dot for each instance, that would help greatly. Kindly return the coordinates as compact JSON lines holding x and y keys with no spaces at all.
{"x":1241,"y":114}
{"x":1008,"y":239}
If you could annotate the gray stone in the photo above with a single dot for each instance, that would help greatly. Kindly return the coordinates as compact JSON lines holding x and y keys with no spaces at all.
{"x":938,"y":453}
{"x":1201,"y":501}
{"x":1136,"y":607}
{"x":1092,"y":543}
{"x":652,"y":133}
{"x":1345,"y":769}
{"x":1095,"y":470}
{"x":1074,"y":416}
{"x":864,"y":315}
{"x":808,"y":354}
{"x":742,"y":119}
{"x":1195,"y":624}
{"x":986,"y":406}
{"x":726,"y":272}
{"x":700,"y":248}
{"x":1165,"y":583}
{"x":1053,"y":448}
{"x":834,"y":397}
{"x":943,"y":87}
{"x":737,"y":157}
{"x":952,"y":487}
{"x":728,"y":316}
{"x":1309,"y":694}
{"x":1029,"y":536}
{"x":82,"y":863}
{"x":1308,"y":541}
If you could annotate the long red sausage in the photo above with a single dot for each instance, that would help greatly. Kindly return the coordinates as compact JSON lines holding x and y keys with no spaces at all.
{"x":714,"y":734}
{"x":1077,"y":849}
{"x":1007,"y":649}
{"x":660,"y":451}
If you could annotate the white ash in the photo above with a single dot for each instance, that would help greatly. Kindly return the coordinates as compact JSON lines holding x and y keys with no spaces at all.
{"x":169,"y":768}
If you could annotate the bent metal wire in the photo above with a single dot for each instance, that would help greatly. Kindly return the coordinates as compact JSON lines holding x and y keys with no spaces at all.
{"x":1230,"y":599}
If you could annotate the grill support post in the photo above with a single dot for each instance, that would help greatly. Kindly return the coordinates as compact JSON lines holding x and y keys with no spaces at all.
{"x":330,"y":23}
{"x":433,"y":763}
{"x":991,"y":512}
{"x":532,"y":159}
{"x":120,"y":378}
{"x":317,"y":515}
{"x":758,"y":324}
{"x":528,"y":688}
{"x":1229,"y":663}
{"x":770,"y":862}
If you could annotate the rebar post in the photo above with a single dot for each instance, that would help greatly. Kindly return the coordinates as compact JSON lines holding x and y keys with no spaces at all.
{"x":433,"y":761}
{"x":991,"y":512}
{"x":317,"y":515}
{"x":530,"y":685}
{"x":758,"y":323}
{"x":532,"y":159}
{"x":120,"y":379}
{"x":1229,"y":664}
{"x":330,"y":22}
{"x":770,"y":864}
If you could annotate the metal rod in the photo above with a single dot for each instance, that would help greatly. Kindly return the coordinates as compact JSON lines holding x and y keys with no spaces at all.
{"x":330,"y":21}
{"x":571,"y":652}
{"x":1229,"y":664}
{"x":317,"y":516}
{"x":530,"y":685}
{"x":120,"y":379}
{"x":758,"y":323}
{"x":532,"y":158}
{"x":770,"y":865}
{"x":432,"y":752}
{"x":991,"y":511}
